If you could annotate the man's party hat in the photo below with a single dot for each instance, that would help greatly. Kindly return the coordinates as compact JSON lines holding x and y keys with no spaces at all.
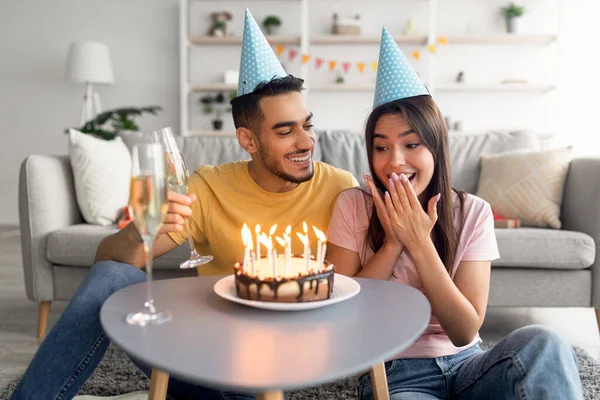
{"x":396,"y":79}
{"x":258,"y":63}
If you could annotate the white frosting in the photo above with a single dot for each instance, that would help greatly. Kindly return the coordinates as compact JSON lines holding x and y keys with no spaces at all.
{"x":297,"y":267}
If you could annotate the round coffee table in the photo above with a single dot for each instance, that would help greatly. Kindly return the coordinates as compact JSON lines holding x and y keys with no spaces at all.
{"x":217,"y":343}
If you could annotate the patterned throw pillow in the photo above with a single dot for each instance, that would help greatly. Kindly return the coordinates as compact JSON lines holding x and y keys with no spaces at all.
{"x":526,"y":185}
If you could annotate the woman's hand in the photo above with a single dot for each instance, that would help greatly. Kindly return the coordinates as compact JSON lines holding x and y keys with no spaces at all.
{"x":409,"y":222}
{"x":391,"y":239}
{"x":179,"y":210}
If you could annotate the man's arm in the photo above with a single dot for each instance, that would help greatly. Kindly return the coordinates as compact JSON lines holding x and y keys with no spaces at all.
{"x":126,"y":246}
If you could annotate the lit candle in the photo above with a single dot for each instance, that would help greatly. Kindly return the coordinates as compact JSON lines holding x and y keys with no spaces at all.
{"x":283,"y":244}
{"x":274,"y":263}
{"x":251,"y":255}
{"x":264,"y":240}
{"x":321,"y":247}
{"x":257,"y":231}
{"x":271,"y":232}
{"x":245,"y":236}
{"x":306,"y":246}
{"x":304,"y":240}
{"x":288,"y":248}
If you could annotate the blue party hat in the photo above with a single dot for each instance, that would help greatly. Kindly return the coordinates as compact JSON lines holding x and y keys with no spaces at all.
{"x":396,"y":79}
{"x":258,"y":63}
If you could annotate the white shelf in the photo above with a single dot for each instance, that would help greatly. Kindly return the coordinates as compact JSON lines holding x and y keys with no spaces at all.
{"x":212,"y":87}
{"x":210,"y":133}
{"x":359,"y":39}
{"x":341,"y":87}
{"x":507,"y":87}
{"x":501,"y":39}
{"x":500,"y":87}
{"x":237,"y":40}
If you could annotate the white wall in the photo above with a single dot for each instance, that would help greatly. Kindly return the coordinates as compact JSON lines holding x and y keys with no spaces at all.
{"x":37,"y":104}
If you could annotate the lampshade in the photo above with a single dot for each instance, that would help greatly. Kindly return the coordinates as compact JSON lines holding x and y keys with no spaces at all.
{"x":89,"y":62}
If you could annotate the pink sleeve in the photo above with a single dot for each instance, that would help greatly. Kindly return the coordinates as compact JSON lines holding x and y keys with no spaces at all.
{"x":341,"y":230}
{"x":482,"y":245}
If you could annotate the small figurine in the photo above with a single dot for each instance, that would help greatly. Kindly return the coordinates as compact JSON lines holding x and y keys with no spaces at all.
{"x":219,"y":26}
{"x":460,"y":78}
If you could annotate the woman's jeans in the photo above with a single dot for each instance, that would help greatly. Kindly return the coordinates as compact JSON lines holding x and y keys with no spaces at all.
{"x":75,"y":345}
{"x":533,"y":362}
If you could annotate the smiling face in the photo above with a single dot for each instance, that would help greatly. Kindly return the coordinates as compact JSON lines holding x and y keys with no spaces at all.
{"x":398,"y":148}
{"x":286,"y":141}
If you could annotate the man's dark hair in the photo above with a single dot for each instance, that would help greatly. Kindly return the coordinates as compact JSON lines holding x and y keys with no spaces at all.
{"x":246,"y":109}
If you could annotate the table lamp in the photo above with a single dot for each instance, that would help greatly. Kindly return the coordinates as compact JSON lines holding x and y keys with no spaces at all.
{"x":89,"y":63}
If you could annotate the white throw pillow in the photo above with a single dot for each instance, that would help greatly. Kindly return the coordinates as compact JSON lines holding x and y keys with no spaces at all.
{"x":102,"y":170}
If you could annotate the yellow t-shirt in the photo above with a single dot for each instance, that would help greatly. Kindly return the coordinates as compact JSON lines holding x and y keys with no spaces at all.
{"x":228,"y":197}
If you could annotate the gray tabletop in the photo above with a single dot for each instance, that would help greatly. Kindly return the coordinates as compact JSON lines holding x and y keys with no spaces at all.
{"x":214,"y":342}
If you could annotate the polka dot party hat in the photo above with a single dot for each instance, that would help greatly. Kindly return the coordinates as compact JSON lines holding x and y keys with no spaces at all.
{"x":396,"y":79}
{"x":258,"y":63}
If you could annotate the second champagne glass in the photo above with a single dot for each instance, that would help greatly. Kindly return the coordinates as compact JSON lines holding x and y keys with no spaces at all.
{"x":148,"y":200}
{"x":177,"y":180}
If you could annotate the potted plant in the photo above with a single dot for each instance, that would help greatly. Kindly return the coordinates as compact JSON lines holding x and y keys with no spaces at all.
{"x":216,"y":103}
{"x":109,"y":124}
{"x":271,"y":23}
{"x":511,"y":14}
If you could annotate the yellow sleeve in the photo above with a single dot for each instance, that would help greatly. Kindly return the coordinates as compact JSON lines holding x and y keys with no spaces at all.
{"x":198,"y":186}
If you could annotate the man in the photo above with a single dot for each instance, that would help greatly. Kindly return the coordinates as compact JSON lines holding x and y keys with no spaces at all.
{"x":280,"y":185}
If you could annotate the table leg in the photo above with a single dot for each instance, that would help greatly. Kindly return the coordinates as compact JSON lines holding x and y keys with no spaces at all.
{"x":379,"y":382}
{"x":271,"y":395}
{"x":158,"y":385}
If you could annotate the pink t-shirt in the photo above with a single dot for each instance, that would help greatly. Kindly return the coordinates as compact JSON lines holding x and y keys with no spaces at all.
{"x":348,"y":229}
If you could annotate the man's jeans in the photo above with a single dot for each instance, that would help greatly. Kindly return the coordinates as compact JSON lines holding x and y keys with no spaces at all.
{"x":75,"y":345}
{"x":533,"y":362}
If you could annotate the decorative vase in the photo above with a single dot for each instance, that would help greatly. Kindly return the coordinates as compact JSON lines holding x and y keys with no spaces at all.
{"x":217,"y":124}
{"x":512,"y":25}
{"x":272,"y":29}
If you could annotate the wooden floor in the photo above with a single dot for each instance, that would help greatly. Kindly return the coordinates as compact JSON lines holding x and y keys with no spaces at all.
{"x":18,"y":316}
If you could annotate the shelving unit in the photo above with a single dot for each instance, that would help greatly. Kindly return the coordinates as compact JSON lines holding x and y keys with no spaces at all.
{"x":305,"y":39}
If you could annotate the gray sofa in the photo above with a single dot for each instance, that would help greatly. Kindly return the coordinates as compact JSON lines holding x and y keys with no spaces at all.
{"x":538,"y":267}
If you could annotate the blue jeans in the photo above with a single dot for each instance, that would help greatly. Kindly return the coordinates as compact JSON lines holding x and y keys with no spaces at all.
{"x":533,"y":362}
{"x":76,"y":344}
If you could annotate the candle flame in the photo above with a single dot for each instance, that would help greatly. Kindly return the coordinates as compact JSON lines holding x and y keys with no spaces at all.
{"x":257,"y":228}
{"x":245,"y":234}
{"x":288,"y":230}
{"x":264,"y":240}
{"x":303,"y":238}
{"x":273,"y":229}
{"x":280,"y":241}
{"x":320,"y":234}
{"x":305,"y":227}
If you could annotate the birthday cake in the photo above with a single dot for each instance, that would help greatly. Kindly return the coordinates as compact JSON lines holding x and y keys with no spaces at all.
{"x":292,"y":283}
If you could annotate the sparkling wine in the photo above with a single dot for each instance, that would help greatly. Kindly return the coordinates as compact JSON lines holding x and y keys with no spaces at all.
{"x":148,"y":200}
{"x":176,"y":175}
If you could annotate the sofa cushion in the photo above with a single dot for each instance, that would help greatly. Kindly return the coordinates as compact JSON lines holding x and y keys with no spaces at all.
{"x":466,"y":151}
{"x":544,"y":248}
{"x":76,"y":246}
{"x":345,"y":150}
{"x":101,"y":171}
{"x":526,"y":185}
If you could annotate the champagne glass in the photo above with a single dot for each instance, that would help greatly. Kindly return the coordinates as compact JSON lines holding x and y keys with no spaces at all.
{"x":177,"y":181}
{"x":148,"y":200}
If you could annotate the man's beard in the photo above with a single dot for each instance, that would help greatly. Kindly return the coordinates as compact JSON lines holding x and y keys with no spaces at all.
{"x":271,"y":165}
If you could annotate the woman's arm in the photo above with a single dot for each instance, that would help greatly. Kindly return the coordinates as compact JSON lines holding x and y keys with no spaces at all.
{"x":347,"y":262}
{"x":458,"y":305}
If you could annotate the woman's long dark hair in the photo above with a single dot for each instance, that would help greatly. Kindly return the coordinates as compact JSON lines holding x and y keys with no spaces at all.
{"x":423,"y":116}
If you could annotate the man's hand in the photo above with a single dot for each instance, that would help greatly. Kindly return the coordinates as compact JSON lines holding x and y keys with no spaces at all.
{"x":179,"y":209}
